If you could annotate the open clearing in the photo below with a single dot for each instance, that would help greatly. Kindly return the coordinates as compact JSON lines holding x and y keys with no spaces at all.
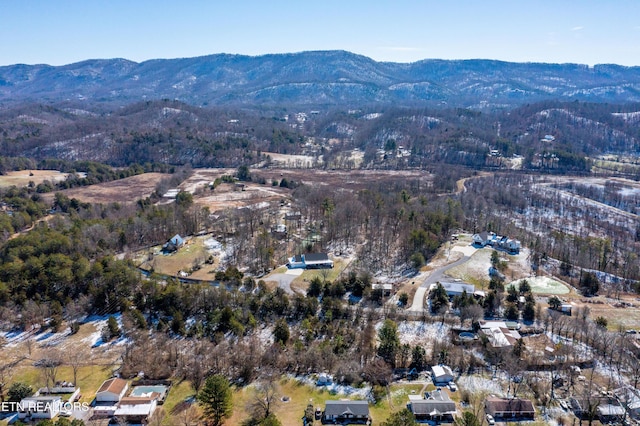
{"x":23,"y":177}
{"x":543,"y":285}
{"x":195,"y":251}
{"x":250,"y":194}
{"x":127,"y":190}
{"x":227,"y":196}
{"x":476,"y":270}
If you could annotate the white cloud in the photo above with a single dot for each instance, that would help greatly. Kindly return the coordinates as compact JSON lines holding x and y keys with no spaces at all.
{"x":578,"y":28}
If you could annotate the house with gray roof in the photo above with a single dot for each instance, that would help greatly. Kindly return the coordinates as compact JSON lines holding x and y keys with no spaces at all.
{"x":436,"y":406}
{"x":346,"y":412}
{"x":509,"y":408}
{"x":457,"y":288}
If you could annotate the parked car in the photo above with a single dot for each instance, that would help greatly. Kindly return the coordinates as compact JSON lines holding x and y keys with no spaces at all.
{"x":452,"y":387}
{"x":490,"y":419}
{"x":318,"y":413}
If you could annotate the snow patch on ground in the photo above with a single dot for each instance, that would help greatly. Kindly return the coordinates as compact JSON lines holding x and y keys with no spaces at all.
{"x":480,"y":384}
{"x":421,"y":333}
{"x":543,"y":285}
{"x":99,"y":322}
{"x":213,"y":245}
{"x":466,"y":250}
{"x":336,"y":389}
{"x":265,"y":335}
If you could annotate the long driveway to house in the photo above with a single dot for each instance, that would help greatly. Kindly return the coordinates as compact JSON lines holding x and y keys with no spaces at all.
{"x":436,"y":275}
{"x":285,"y":279}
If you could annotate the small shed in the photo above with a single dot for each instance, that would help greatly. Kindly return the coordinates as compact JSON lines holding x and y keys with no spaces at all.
{"x":441,"y":374}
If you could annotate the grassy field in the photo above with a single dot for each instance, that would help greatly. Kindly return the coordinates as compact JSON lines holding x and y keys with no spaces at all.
{"x":194,"y":252}
{"x":300,"y":395}
{"x":302,"y":282}
{"x":23,"y":177}
{"x":475,"y":271}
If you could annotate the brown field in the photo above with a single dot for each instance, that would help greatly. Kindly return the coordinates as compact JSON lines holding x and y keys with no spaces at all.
{"x":228,"y":195}
{"x":127,"y":190}
{"x":347,"y":179}
{"x":23,"y":177}
{"x":232,"y":196}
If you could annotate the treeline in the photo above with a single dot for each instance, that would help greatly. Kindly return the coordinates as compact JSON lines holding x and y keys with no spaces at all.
{"x":170,"y":132}
{"x":81,"y":173}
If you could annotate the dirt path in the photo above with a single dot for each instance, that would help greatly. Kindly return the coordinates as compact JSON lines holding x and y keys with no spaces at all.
{"x":460,"y":183}
{"x":47,"y":218}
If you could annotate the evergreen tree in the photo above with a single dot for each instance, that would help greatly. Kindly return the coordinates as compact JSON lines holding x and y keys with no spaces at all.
{"x":401,"y":418}
{"x":281,"y":332}
{"x":439,"y":299}
{"x":18,"y":391}
{"x":389,"y":342}
{"x":467,"y":419}
{"x":529,"y":311}
{"x":554,"y":302}
{"x":215,"y":398}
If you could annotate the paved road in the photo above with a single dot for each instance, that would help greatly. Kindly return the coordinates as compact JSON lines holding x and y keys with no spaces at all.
{"x":435,"y":276}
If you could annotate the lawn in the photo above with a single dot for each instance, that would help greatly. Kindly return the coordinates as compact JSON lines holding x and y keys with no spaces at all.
{"x":475,"y":271}
{"x":194,"y":252}
{"x":89,"y":378}
{"x":300,"y":395}
{"x":180,"y":391}
{"x":301,"y":282}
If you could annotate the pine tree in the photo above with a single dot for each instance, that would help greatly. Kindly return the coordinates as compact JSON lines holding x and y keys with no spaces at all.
{"x":215,"y":398}
{"x":389,"y":342}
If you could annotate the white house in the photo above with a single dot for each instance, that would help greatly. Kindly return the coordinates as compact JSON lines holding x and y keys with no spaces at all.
{"x":112,"y":390}
{"x":501,"y":334}
{"x":310,"y":261}
{"x":457,"y":288}
{"x":40,"y":407}
{"x":484,"y":238}
{"x":136,"y":409}
{"x":441,"y":374}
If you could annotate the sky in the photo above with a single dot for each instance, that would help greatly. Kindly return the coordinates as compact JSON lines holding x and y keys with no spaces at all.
{"x":59,"y":32}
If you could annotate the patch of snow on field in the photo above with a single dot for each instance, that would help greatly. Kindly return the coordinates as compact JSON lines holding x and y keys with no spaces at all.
{"x":213,"y":245}
{"x":543,"y":285}
{"x":480,"y":384}
{"x":99,"y":322}
{"x":417,"y":332}
{"x":336,"y":389}
{"x":14,"y":337}
{"x":466,"y":250}
{"x":53,"y":339}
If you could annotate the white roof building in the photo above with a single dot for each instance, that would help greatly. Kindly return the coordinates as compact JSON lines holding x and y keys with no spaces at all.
{"x":441,"y":374}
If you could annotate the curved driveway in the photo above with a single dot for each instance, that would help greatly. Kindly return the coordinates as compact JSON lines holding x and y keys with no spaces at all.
{"x":285,"y":279}
{"x":435,"y":276}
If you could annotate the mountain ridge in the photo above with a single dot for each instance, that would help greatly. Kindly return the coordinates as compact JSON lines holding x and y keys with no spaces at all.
{"x":318,"y":78}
